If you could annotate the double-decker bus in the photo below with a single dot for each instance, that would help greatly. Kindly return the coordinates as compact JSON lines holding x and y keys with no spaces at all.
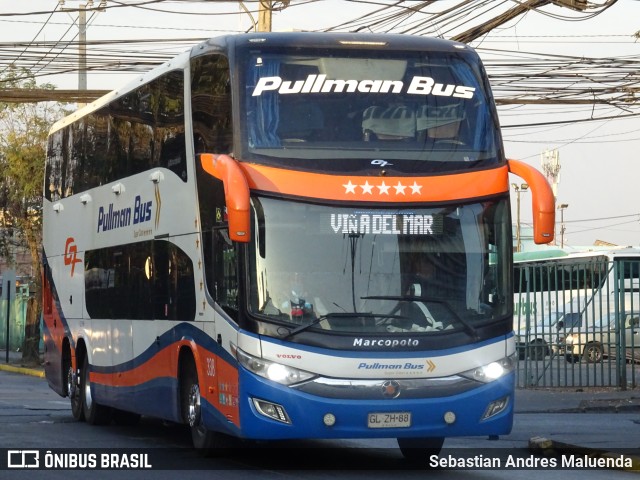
{"x":283,"y":236}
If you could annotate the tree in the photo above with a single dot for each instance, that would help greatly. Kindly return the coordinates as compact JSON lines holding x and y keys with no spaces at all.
{"x":23,"y":138}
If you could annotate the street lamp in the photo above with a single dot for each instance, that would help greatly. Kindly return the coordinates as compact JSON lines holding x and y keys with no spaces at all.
{"x":562,"y":207}
{"x":523,"y":187}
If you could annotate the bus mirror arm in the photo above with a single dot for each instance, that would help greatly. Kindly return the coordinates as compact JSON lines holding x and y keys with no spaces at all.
{"x":543,"y":200}
{"x":236,"y":192}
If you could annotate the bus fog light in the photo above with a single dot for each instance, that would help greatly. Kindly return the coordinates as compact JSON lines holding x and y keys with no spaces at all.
{"x":329,"y":419}
{"x":449,"y":418}
{"x":496,"y":407}
{"x":271,"y":410}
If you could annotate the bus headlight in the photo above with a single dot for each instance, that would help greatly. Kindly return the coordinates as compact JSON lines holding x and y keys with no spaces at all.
{"x":491,"y":371}
{"x":274,"y":371}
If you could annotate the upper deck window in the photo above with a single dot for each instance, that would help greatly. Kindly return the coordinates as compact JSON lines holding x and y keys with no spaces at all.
{"x":415,"y":111}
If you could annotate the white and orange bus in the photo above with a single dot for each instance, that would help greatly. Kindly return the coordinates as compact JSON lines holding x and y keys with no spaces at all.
{"x":280,"y":236}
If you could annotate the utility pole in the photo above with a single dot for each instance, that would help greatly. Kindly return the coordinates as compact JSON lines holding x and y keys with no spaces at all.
{"x":82,"y":39}
{"x":562,"y":208}
{"x":266,"y":11}
{"x":264,"y":15}
{"x":551,"y":169}
{"x":518,"y":189}
{"x":82,"y":45}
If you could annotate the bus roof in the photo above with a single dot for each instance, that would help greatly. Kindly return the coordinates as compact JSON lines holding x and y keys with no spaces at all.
{"x":229,"y":43}
{"x":346,"y":40}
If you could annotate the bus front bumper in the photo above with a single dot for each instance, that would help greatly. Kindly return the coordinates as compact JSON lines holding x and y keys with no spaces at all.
{"x":273,"y":411}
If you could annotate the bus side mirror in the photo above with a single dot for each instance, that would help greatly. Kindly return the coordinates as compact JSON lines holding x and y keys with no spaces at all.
{"x":543,"y":200}
{"x":236,"y":192}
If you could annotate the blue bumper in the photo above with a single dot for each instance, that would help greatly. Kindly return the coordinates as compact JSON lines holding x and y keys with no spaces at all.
{"x":306,"y":413}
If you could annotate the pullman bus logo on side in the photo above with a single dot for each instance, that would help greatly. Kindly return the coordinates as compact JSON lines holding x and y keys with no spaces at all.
{"x":113,"y":218}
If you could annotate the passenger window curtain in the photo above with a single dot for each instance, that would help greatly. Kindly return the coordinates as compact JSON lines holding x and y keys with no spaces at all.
{"x":263,"y":114}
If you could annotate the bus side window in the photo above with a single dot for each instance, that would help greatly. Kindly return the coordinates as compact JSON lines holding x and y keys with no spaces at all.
{"x":211,"y":104}
{"x":225,"y":272}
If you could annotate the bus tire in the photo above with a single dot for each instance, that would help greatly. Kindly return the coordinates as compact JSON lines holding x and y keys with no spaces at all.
{"x":203,"y":439}
{"x":593,"y":353}
{"x":94,"y":413}
{"x":420,"y":449}
{"x":73,"y":388}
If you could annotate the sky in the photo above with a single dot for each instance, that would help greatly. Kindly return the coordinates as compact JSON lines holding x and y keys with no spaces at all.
{"x":600,"y":160}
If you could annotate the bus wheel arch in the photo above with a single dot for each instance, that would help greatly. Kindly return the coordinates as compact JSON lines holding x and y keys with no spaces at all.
{"x":204,"y":440}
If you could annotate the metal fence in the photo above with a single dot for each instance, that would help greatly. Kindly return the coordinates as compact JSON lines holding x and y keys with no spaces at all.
{"x":15,"y":310}
{"x":577,"y":323}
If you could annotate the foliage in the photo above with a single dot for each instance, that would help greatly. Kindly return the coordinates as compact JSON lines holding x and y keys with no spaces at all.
{"x":23,"y":138}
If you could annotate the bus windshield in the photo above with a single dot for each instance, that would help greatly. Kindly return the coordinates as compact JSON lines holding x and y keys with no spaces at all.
{"x":346,"y":269}
{"x":415,"y":111}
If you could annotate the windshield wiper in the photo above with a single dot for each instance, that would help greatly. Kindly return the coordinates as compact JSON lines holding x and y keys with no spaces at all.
{"x":317,"y":320}
{"x":412,"y":298}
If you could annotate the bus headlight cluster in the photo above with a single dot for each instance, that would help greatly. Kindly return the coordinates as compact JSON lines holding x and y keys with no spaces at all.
{"x":491,"y":371}
{"x":274,"y":371}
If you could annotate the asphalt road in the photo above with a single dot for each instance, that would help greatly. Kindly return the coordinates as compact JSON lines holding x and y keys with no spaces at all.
{"x":34,"y":418}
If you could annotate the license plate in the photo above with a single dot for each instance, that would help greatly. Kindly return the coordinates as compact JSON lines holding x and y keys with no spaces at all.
{"x":389,"y":420}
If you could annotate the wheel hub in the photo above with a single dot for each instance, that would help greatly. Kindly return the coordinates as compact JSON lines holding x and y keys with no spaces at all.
{"x":194,"y":406}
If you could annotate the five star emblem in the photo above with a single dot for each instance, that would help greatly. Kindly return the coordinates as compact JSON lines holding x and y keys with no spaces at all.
{"x":383,"y":188}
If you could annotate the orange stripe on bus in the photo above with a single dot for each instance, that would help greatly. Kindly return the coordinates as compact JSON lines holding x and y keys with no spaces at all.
{"x":158,"y":366}
{"x":219,"y":386}
{"x":377,"y":188}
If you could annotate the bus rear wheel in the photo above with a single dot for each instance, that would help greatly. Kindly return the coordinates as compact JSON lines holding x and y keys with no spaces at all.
{"x":74,"y":391}
{"x":94,"y":413}
{"x":420,"y":449}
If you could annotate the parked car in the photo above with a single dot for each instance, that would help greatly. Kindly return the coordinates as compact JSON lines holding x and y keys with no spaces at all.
{"x":598,"y":339}
{"x":536,"y":341}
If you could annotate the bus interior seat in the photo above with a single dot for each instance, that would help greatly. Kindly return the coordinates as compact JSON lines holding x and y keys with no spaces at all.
{"x":439,"y":122}
{"x":388,"y":123}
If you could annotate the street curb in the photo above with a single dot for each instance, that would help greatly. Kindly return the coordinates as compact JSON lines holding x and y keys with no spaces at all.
{"x":23,"y":370}
{"x":552,"y":448}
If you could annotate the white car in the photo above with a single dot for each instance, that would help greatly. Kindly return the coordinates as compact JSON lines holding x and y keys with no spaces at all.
{"x":598,"y":339}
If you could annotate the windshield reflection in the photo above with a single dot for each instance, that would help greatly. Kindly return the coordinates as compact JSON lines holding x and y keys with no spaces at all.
{"x":378,"y":271}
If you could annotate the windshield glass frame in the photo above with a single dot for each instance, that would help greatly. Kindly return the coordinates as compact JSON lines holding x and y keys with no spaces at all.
{"x":313,"y":249}
{"x":306,"y":114}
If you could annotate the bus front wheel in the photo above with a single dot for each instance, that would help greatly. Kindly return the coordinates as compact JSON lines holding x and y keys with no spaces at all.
{"x":204,"y":440}
{"x":420,"y":449}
